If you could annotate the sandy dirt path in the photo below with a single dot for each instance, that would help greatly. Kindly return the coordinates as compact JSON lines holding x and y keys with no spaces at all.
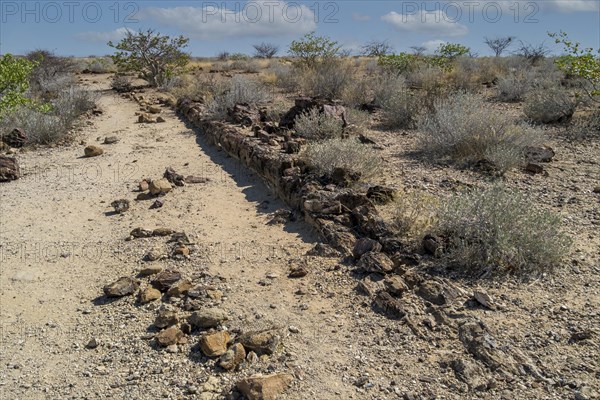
{"x":60,"y":244}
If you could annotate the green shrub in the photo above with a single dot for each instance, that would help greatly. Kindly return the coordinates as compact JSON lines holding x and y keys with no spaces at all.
{"x":14,"y":82}
{"x":316,"y":125}
{"x":312,"y":49}
{"x":327,"y":155}
{"x":463,"y":127}
{"x":154,"y":56}
{"x":498,"y":231}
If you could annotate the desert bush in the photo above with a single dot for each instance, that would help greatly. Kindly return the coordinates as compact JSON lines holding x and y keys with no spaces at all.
{"x":50,"y":122}
{"x":431,"y":79}
{"x":240,"y":90}
{"x":41,"y":127}
{"x":549,"y":105}
{"x":358,"y":118}
{"x":514,"y":86}
{"x":73,"y":102}
{"x":358,"y":93}
{"x":376,"y":48}
{"x":497,"y":231}
{"x":287,"y":77}
{"x":50,"y":70}
{"x":327,"y":79}
{"x":103,"y":65}
{"x":401,"y":109}
{"x":532,"y":53}
{"x":384,"y":86}
{"x":121,"y":83}
{"x":201,"y":88}
{"x":463,"y":127}
{"x":413,"y":213}
{"x":154,"y":56}
{"x":312,"y":49}
{"x":265,"y":50}
{"x":327,"y":155}
{"x":316,"y":125}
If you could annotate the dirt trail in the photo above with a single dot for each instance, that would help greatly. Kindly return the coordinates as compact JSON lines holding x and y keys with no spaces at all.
{"x":61,"y":245}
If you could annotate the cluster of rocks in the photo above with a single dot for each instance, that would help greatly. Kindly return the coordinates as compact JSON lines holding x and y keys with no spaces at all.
{"x":149,"y":108}
{"x":191,"y":311}
{"x":347,"y":218}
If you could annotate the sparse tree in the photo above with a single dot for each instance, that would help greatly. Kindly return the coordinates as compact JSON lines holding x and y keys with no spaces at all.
{"x":499,"y":44}
{"x":531,"y":52}
{"x":154,"y":56}
{"x":311,"y":49}
{"x":418,"y":50}
{"x":265,"y":50}
{"x":376,"y":48}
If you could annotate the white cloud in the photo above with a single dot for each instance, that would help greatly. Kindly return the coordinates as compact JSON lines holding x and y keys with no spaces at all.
{"x":428,"y":22}
{"x":104,"y":37}
{"x":571,"y":5}
{"x":432,"y":45}
{"x":529,"y":7}
{"x":259,"y":18}
{"x":360,"y":17}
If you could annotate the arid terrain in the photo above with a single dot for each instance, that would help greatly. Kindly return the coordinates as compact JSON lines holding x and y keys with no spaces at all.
{"x":251,"y":265}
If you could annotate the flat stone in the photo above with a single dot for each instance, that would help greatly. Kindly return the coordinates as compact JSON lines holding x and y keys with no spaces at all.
{"x":214,"y":344}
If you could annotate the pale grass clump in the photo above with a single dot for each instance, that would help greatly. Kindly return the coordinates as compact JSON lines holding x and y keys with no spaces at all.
{"x":349,"y":154}
{"x":463,"y":127}
{"x":317,"y":125}
{"x":497,"y":231}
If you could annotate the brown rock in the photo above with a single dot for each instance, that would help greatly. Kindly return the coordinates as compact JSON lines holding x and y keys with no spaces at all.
{"x":165,"y":318}
{"x":233,"y":357}
{"x":181,"y":250}
{"x":207,"y":318}
{"x":160,"y":186}
{"x":140,"y":233}
{"x":150,"y":270}
{"x":299,"y":271}
{"x":376,"y":262}
{"x":111,"y":140}
{"x":154,"y":255}
{"x":122,"y":287}
{"x":214,"y":344}
{"x":16,"y":138}
{"x":534,"y":168}
{"x":395,"y":286}
{"x":149,"y":294}
{"x":160,"y":119}
{"x":145,"y":118}
{"x":364,"y":245}
{"x":162,"y":232}
{"x":164,"y":280}
{"x":93,"y":151}
{"x":154,"y":109}
{"x":9,"y":169}
{"x":179,"y":288}
{"x":169,"y":336}
{"x":264,"y":387}
{"x":143,"y":185}
{"x":261,"y":342}
{"x":120,"y":205}
{"x":158,"y":203}
{"x":394,"y":308}
{"x":196,"y":179}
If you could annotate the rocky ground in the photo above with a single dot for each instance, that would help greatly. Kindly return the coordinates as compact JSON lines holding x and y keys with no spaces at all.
{"x":256,"y":275}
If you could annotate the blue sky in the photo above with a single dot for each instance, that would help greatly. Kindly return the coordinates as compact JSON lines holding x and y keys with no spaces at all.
{"x":82,"y":28}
